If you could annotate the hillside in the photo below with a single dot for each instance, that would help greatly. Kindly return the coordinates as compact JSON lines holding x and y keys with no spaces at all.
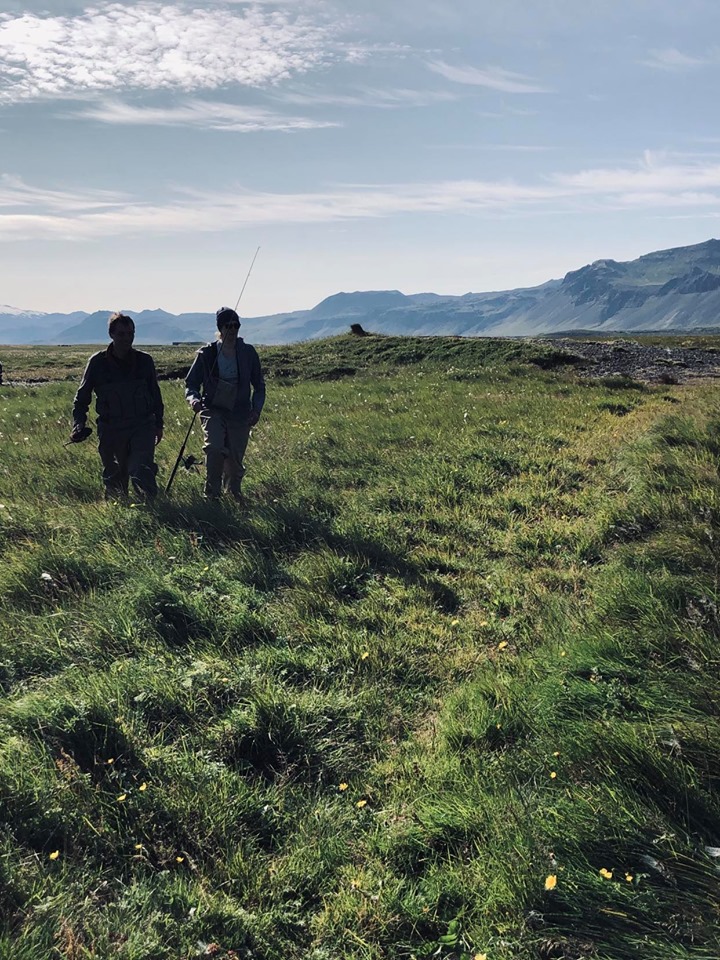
{"x":446,"y":687}
{"x":646,"y":358}
{"x":676,"y":289}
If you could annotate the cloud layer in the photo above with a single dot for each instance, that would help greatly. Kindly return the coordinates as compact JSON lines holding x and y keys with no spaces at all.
{"x":671,"y":59}
{"x":390,"y":98}
{"x":657,"y":184}
{"x":154,"y":46}
{"x":200,"y":113}
{"x":496,"y":78}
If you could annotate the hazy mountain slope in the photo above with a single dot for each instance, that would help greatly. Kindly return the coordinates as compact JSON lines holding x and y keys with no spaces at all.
{"x":152,"y":326}
{"x":677,"y":288}
{"x":25,"y":326}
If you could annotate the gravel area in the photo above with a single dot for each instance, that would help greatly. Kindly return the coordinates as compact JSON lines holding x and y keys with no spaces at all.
{"x":27,"y":383}
{"x":626,"y":358}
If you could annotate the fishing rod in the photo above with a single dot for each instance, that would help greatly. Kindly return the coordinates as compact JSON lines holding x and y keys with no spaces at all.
{"x":180,"y":455}
{"x":246,"y":279}
{"x":195,"y":413}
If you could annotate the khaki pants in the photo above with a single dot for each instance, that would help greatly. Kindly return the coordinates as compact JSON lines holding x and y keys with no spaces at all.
{"x":225,"y":443}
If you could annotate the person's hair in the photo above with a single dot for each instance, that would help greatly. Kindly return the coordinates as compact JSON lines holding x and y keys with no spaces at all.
{"x":226,"y":315}
{"x":117,"y":318}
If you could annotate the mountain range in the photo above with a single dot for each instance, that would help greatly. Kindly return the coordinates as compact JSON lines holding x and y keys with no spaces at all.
{"x":676,"y":289}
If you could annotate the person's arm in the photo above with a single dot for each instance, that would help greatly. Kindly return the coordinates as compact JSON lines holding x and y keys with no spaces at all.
{"x":159,"y":408}
{"x":81,"y":404}
{"x":258,"y":384}
{"x":193,"y":383}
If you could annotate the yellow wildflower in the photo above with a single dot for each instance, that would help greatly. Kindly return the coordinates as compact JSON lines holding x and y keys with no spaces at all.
{"x":607,"y":874}
{"x":480,"y":956}
{"x":138,"y":846}
{"x":502,"y":644}
{"x":361,"y":804}
{"x":343,"y":787}
{"x":123,"y":796}
{"x":553,"y":775}
{"x":179,"y":859}
{"x":54,"y":855}
{"x":111,"y":760}
{"x":143,"y":786}
{"x":551,"y":882}
{"x":629,"y":877}
{"x":557,"y":753}
{"x":364,"y":655}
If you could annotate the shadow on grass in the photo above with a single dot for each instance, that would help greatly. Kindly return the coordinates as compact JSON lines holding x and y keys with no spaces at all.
{"x":277,"y":532}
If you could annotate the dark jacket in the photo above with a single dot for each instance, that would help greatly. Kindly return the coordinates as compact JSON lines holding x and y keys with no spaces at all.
{"x":126,"y":391}
{"x":202,"y":379}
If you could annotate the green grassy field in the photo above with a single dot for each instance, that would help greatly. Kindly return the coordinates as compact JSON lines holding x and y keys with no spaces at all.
{"x":448,"y":686}
{"x":327,"y":359}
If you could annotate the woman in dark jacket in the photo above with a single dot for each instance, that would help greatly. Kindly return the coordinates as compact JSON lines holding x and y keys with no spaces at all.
{"x":225,"y":386}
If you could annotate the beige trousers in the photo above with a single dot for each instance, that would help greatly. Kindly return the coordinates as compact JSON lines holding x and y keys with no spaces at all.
{"x":225,"y":443}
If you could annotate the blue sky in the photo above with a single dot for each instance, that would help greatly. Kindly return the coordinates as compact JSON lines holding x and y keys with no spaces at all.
{"x":148,"y":148}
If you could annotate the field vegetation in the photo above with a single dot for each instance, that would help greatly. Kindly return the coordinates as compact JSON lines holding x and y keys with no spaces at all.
{"x":448,"y":685}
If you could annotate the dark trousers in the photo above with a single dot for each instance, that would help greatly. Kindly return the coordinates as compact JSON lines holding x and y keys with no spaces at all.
{"x":128,"y":453}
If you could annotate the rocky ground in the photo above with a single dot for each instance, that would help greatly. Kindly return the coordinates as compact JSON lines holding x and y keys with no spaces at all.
{"x":650,"y":364}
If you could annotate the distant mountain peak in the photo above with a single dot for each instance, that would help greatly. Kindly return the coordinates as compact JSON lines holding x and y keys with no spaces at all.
{"x":605,"y":264}
{"x":8,"y":311}
{"x":359,"y":303}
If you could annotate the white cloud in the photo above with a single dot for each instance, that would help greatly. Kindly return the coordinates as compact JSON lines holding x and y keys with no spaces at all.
{"x":15,"y":193}
{"x":200,"y":113}
{"x":496,"y":78}
{"x":671,"y":59}
{"x":654,"y":175}
{"x":369,"y":97}
{"x":655,"y":184}
{"x":493,"y":147}
{"x":150,"y":45}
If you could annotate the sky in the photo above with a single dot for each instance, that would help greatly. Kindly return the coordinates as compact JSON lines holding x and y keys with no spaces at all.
{"x":148,"y":149}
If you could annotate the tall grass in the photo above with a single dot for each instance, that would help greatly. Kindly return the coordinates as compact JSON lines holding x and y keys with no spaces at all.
{"x":447,"y":687}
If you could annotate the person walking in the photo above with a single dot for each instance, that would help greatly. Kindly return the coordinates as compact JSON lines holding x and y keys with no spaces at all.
{"x":225,"y":386}
{"x":129,"y":409}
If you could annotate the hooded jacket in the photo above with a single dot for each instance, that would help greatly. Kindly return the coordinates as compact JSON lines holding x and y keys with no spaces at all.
{"x":202,"y":379}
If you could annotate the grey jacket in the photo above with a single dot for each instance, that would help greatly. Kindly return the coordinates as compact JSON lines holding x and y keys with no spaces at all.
{"x":126,"y":391}
{"x":202,"y":379}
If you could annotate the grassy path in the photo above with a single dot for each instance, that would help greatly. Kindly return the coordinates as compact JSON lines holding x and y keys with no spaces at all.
{"x":448,"y":687}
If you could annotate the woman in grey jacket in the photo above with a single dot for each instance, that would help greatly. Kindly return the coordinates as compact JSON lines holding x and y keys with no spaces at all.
{"x":225,"y":386}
